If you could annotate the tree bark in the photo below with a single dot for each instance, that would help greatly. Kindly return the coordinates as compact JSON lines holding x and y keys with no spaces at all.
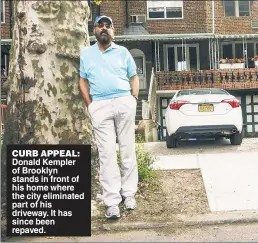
{"x":44,"y":102}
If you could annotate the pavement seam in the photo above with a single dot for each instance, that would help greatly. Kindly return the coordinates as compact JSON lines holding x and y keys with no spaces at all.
{"x":182,"y":220}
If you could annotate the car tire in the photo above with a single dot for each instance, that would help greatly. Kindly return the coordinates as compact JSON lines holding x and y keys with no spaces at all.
{"x":236,"y":139}
{"x":171,"y":141}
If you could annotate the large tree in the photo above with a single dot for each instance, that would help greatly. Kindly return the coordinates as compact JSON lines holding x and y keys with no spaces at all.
{"x":44,"y":102}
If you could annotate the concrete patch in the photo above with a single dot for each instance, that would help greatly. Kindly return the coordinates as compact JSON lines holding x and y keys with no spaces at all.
{"x":170,"y":162}
{"x":221,"y":218}
{"x":230,"y":180}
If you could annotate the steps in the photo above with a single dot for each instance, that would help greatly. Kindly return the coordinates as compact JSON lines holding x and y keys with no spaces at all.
{"x":143,"y":95}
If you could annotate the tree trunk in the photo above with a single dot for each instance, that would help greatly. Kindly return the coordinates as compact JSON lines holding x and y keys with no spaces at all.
{"x":44,"y":102}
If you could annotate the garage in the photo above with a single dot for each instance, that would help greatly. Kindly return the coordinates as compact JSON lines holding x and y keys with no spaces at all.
{"x":250,"y":114}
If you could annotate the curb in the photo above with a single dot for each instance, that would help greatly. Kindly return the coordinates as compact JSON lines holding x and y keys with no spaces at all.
{"x":183,"y":220}
{"x":221,"y":218}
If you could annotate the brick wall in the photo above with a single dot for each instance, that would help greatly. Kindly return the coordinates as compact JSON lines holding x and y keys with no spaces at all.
{"x":197,"y":18}
{"x":194,"y":20}
{"x":234,"y":25}
{"x":5,"y":27}
{"x":116,"y":10}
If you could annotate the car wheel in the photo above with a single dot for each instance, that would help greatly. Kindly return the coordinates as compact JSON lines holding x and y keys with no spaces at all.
{"x":171,"y":141}
{"x":236,"y":138}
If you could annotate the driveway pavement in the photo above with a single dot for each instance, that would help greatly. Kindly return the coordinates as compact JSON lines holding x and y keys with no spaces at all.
{"x":230,"y":178}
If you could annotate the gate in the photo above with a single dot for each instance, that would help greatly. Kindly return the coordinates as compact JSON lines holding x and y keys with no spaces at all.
{"x":250,"y":114}
{"x":164,"y":101}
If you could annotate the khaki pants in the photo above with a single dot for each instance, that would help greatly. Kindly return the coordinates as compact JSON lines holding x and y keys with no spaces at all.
{"x":110,"y":118}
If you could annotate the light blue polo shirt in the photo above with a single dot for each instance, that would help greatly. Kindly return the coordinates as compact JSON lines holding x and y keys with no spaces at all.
{"x":108,"y":72}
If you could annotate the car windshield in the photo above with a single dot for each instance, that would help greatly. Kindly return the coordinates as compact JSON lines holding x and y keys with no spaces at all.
{"x":201,"y":92}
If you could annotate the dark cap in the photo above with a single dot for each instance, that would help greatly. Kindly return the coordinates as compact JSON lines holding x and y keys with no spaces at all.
{"x":102,"y":18}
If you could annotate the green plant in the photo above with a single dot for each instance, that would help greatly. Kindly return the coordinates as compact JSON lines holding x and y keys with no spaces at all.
{"x":2,"y":139}
{"x":144,"y":160}
{"x":95,"y":2}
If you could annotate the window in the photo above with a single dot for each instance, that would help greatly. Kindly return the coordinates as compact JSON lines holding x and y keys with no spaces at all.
{"x":229,"y":8}
{"x":2,"y":12}
{"x":236,"y":50}
{"x":237,"y":8}
{"x":201,"y":92}
{"x":165,"y":9}
{"x":244,"y":7}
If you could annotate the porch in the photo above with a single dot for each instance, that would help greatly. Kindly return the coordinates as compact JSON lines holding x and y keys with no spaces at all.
{"x":229,"y":79}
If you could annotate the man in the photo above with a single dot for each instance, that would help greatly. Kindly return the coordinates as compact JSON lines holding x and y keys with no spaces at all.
{"x":106,"y":70}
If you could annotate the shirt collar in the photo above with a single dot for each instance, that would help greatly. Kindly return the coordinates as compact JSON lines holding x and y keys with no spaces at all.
{"x":113,"y":46}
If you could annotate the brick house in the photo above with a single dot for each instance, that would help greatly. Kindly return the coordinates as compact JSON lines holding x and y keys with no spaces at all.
{"x":6,"y":8}
{"x":185,"y":43}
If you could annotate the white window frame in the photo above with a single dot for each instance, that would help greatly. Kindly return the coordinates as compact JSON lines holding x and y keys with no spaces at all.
{"x":237,"y":9}
{"x":165,"y":49}
{"x":165,"y":12}
{"x":2,"y":22}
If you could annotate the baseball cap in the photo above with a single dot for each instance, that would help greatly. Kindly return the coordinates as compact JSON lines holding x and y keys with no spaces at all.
{"x":101,"y":18}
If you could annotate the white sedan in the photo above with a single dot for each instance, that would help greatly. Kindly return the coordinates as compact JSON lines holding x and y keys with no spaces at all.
{"x":203,"y":113}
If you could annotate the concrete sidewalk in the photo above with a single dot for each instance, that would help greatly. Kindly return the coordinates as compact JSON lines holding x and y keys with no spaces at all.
{"x":230,"y":179}
{"x":114,"y":231}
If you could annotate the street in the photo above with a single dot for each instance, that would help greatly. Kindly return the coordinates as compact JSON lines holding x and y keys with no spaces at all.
{"x":219,"y":233}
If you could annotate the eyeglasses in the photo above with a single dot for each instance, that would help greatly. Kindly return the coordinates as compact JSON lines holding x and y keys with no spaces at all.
{"x":101,"y":25}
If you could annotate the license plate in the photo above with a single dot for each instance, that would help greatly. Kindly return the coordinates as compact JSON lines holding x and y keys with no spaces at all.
{"x":206,"y":108}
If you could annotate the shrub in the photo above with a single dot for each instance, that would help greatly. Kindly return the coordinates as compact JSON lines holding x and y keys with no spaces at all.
{"x":144,"y":160}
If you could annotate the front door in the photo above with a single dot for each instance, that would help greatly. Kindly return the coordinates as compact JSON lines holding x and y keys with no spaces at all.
{"x":180,"y":58}
{"x":139,"y":58}
{"x":139,"y":61}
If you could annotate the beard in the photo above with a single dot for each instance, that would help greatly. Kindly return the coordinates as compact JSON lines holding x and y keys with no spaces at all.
{"x":103,"y":37}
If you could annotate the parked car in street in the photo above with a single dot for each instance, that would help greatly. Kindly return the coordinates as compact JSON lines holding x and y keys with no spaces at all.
{"x":203,"y":113}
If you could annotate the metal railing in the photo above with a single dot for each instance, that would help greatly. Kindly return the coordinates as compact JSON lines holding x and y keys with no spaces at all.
{"x":149,"y":106}
{"x":236,"y":79}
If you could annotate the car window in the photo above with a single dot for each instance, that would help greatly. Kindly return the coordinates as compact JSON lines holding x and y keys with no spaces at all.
{"x":201,"y":92}
{"x":219,"y":91}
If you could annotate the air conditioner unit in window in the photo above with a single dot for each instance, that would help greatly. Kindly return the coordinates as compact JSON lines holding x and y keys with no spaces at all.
{"x":138,"y":18}
{"x":254,"y":24}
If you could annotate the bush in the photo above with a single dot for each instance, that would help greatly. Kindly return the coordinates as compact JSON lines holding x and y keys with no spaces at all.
{"x":2,"y":139}
{"x":144,"y":160}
